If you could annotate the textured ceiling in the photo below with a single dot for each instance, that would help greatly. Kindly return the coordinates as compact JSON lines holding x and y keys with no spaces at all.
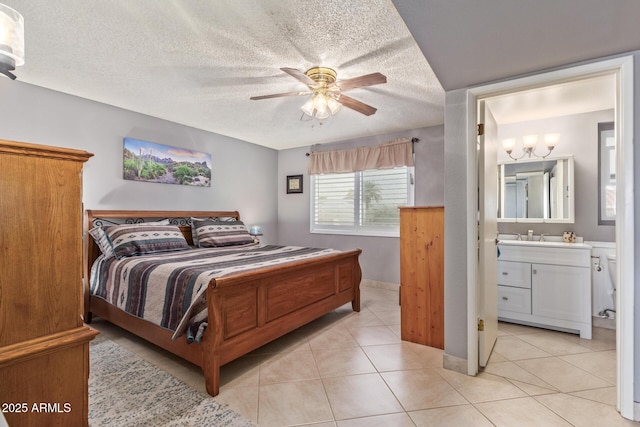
{"x":197,"y":62}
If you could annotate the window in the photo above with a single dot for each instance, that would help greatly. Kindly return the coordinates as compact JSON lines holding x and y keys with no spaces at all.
{"x":363,"y":203}
{"x":607,"y":173}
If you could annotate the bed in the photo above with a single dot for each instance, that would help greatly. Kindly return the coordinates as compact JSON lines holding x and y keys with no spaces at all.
{"x":246,"y":309}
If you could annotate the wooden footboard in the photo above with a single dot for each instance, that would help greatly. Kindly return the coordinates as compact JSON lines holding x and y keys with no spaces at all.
{"x":246,"y":310}
{"x":252,"y":309}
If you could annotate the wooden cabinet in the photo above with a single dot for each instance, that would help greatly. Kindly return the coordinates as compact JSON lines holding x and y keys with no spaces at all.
{"x":547,"y":285}
{"x":422,"y":275}
{"x":44,"y":344}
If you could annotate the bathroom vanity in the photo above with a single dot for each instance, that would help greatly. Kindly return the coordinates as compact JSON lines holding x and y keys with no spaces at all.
{"x":545,"y":284}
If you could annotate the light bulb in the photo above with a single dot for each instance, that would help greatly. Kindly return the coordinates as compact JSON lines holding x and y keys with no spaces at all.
{"x":530,"y":141}
{"x":508,"y":144}
{"x":333,"y":105}
{"x":308,"y":107}
{"x":320,"y":101}
{"x":322,"y":112}
{"x":551,"y":139}
{"x":12,"y":34}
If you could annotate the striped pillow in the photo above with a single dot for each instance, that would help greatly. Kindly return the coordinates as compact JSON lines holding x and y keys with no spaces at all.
{"x":103,"y":242}
{"x":140,"y":239}
{"x":213,"y":233}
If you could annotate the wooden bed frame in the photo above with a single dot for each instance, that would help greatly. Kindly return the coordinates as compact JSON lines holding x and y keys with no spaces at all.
{"x":246,"y":310}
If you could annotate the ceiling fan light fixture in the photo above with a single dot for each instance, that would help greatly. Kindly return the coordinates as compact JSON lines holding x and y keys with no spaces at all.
{"x":308,"y":107}
{"x":11,"y":40}
{"x":320,"y":101}
{"x":334,"y":106}
{"x":326,"y":92}
{"x":322,"y":75}
{"x":322,"y":113}
{"x":321,"y":105}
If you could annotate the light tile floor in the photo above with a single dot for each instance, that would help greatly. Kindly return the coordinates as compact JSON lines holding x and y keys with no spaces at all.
{"x":351,"y":369}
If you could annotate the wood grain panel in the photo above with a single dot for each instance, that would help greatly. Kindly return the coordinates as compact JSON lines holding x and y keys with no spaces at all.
{"x":240,"y":312}
{"x":44,"y":346}
{"x":299,"y":291}
{"x":345,"y":277}
{"x":42,"y":278}
{"x":422,"y":275}
{"x":52,"y":380}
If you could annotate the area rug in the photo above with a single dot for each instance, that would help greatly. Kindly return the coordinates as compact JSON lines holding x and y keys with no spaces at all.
{"x":125,"y":390}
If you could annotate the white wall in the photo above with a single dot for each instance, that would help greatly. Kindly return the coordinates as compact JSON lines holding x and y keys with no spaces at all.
{"x":243,"y":175}
{"x":380,"y":259}
{"x":579,"y":138}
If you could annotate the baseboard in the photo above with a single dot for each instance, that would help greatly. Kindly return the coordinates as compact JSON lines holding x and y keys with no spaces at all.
{"x":380,"y":285}
{"x":454,"y":363}
{"x":599,"y":322}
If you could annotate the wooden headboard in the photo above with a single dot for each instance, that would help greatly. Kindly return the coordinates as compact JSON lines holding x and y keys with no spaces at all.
{"x":94,"y":218}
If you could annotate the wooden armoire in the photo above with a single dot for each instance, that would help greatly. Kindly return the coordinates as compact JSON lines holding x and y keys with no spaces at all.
{"x":422,"y":275}
{"x":44,"y":344}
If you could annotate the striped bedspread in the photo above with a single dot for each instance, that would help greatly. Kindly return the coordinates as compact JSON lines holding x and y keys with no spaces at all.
{"x":169,"y":289}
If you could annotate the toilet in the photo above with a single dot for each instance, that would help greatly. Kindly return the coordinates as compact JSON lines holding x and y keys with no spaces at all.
{"x":611,"y":263}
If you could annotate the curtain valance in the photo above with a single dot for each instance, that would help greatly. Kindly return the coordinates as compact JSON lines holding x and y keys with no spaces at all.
{"x":392,"y":154}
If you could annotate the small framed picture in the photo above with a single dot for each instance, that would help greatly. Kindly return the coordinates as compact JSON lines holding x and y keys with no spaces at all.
{"x":294,"y":184}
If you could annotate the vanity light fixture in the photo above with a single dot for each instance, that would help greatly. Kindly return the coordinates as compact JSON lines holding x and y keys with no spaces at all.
{"x":11,"y":40}
{"x":529,"y":143}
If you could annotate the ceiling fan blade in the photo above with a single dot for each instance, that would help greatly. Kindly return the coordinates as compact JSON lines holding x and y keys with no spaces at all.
{"x":366,"y":80}
{"x":356,"y":105}
{"x":277,"y":95}
{"x":299,"y":75}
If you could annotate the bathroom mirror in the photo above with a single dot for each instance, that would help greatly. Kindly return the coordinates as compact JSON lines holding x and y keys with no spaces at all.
{"x":536,"y":190}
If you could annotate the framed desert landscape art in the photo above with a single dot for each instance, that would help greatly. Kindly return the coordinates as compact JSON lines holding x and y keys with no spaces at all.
{"x":151,"y":162}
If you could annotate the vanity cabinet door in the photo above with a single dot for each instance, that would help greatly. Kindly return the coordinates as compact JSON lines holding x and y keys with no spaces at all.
{"x":561,"y":292}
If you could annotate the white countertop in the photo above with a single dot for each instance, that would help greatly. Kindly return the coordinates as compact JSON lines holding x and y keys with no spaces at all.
{"x":550,"y":244}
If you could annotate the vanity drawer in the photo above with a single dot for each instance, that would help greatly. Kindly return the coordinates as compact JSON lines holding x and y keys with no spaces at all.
{"x":514,"y":299}
{"x":516,"y":274}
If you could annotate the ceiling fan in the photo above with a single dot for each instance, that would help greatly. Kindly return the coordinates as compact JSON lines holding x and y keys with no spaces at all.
{"x":327,"y":92}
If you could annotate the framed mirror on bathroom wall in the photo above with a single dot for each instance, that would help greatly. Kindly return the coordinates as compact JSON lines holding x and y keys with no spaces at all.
{"x":537,"y":190}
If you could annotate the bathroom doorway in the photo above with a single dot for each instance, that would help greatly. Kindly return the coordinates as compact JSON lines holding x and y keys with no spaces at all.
{"x":620,"y":68}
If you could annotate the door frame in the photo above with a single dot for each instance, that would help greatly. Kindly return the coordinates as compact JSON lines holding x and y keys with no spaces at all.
{"x":622,"y":67}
